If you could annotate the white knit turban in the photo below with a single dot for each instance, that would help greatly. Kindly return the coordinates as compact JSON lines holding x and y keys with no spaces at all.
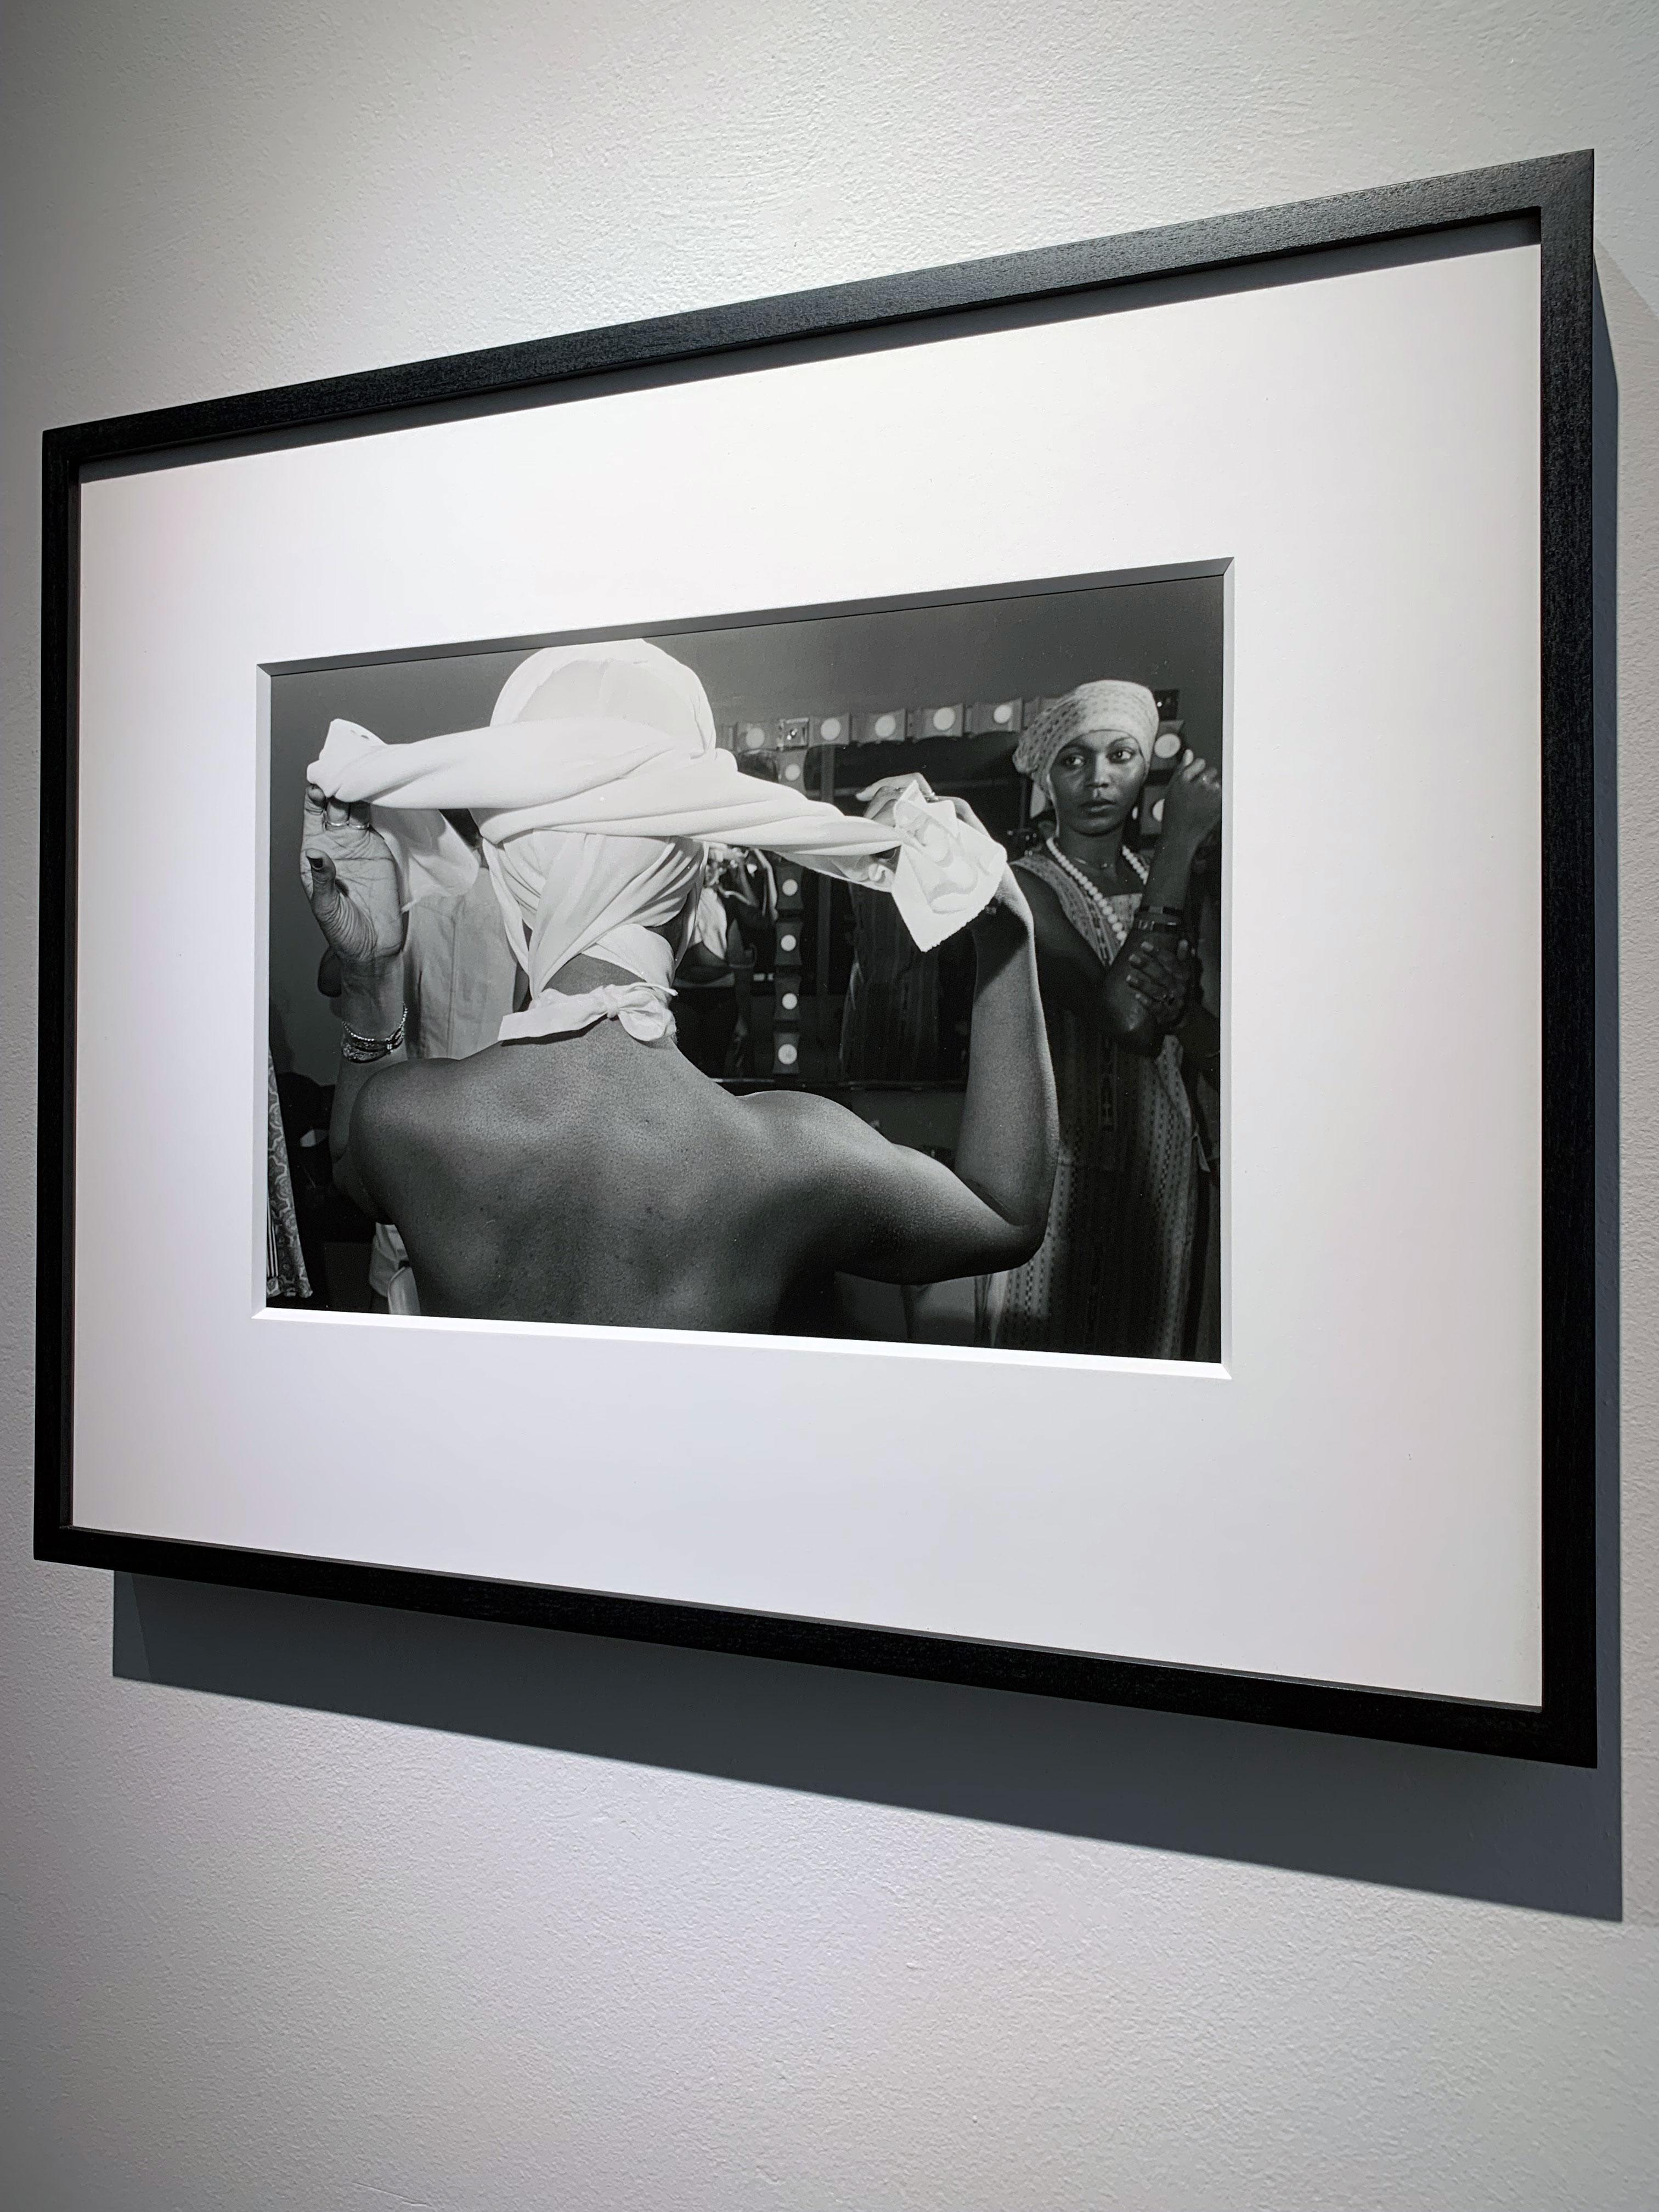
{"x":1125,"y":709}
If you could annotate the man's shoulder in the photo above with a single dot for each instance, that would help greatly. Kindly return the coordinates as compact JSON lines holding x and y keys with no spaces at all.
{"x":811,"y":1125}
{"x":409,"y":1091}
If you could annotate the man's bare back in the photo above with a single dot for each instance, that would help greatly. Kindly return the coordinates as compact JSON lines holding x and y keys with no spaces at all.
{"x":591,"y":1176}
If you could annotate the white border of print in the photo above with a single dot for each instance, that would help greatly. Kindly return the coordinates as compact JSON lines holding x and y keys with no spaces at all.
{"x":1353,"y":1497}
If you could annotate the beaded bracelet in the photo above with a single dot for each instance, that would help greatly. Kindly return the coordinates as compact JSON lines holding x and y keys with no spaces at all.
{"x":359,"y":1049}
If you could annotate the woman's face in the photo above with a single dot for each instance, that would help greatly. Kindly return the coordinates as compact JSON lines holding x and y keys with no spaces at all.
{"x":1096,"y":779}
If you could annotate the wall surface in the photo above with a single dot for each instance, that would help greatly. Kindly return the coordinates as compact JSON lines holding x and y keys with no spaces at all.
{"x":301,"y":1906}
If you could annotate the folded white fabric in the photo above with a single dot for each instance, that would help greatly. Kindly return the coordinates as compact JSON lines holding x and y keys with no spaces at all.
{"x":639,"y":1008}
{"x":596,"y":788}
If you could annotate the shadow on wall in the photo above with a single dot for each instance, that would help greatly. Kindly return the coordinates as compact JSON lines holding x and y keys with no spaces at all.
{"x":1503,"y":1830}
{"x":1494,"y":1828}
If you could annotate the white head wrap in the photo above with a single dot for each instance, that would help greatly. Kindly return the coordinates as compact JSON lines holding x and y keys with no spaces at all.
{"x":596,"y":788}
{"x":1126,"y":710}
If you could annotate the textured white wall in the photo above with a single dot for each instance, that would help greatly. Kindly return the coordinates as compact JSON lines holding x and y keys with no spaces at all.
{"x":303,"y":1907}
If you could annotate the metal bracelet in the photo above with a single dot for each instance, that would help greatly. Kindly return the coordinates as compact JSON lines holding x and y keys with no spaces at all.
{"x":359,"y":1048}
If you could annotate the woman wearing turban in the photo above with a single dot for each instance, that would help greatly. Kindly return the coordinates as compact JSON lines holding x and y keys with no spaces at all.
{"x":1114,"y":1271}
{"x":582,"y":1168}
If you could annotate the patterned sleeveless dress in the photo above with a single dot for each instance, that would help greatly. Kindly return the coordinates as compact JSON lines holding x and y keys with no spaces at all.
{"x":1114,"y":1271}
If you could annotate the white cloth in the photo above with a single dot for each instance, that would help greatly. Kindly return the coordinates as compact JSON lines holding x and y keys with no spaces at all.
{"x":459,"y":974}
{"x":597,"y":785}
{"x":641,"y":1008}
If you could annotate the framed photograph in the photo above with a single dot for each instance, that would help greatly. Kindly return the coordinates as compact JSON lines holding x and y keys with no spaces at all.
{"x":900,"y":976}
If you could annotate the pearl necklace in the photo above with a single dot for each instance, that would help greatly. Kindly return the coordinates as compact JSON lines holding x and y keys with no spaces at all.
{"x":1071,"y":868}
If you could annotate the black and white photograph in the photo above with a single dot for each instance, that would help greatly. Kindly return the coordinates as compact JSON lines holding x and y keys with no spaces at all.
{"x":854,"y":972}
{"x":891,"y":976}
{"x":831,"y":876}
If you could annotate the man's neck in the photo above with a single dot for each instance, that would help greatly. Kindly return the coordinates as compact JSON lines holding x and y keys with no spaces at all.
{"x":584,"y":973}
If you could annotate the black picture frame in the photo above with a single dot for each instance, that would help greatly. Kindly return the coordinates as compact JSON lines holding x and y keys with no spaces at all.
{"x":1550,"y":200}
